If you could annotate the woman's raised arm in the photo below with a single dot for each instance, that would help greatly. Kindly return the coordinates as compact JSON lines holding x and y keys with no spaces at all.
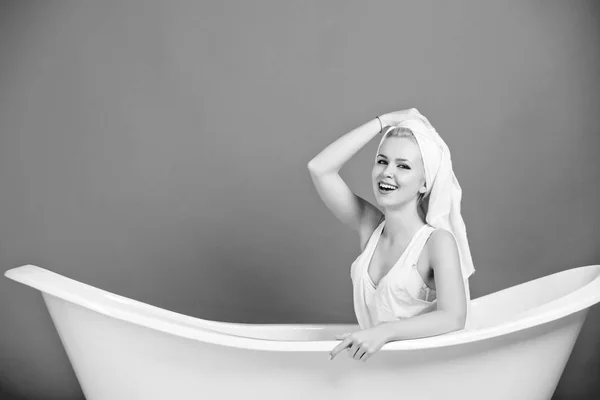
{"x":337,"y":196}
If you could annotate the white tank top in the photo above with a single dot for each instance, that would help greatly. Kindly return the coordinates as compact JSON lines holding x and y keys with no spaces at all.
{"x":401,"y":293}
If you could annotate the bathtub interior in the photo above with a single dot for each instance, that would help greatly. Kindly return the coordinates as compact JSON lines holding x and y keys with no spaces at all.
{"x":111,"y":304}
{"x":529,"y":298}
{"x":490,"y":310}
{"x":279,"y":332}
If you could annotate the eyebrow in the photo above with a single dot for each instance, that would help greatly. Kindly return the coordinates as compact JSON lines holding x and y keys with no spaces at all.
{"x":397,"y":159}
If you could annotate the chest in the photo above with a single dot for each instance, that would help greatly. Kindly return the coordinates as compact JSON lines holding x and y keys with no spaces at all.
{"x":384,"y":259}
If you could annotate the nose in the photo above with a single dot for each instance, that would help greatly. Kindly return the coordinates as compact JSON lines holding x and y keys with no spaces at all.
{"x":388,"y":171}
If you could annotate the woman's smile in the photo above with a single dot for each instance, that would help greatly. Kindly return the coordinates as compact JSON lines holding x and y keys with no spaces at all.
{"x":386,"y":188}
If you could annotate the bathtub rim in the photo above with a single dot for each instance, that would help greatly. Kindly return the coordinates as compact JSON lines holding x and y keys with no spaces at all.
{"x":57,"y":285}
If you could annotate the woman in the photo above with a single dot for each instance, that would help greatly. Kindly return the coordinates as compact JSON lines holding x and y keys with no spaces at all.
{"x":411,"y":278}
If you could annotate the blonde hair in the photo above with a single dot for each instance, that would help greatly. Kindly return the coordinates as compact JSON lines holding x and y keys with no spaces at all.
{"x":399,"y":131}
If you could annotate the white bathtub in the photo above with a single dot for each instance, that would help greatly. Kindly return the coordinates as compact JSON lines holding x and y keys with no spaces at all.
{"x":124,"y":349}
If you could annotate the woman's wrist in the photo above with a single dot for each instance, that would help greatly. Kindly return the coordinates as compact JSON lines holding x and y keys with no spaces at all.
{"x":385,"y":120}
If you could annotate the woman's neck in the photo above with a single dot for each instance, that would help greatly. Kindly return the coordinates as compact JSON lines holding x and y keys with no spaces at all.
{"x":401,"y":225}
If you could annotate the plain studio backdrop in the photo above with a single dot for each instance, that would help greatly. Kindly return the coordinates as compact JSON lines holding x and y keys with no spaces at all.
{"x":158,"y":150}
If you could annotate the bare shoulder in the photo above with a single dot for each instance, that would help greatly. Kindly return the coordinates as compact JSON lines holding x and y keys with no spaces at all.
{"x":442,"y":247}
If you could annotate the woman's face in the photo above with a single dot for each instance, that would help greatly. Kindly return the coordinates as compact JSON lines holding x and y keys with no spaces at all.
{"x":399,"y":164}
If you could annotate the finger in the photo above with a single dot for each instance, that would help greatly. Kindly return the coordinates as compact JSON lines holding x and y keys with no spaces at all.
{"x":352,"y":351}
{"x":360,"y":354}
{"x":339,"y":348}
{"x":356,"y":351}
{"x":365,"y":356}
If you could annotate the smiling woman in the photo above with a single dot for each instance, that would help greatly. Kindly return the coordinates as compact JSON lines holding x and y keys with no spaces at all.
{"x":415,"y":231}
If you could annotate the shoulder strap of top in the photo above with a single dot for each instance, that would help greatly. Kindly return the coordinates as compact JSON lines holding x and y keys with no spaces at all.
{"x":419,"y":244}
{"x":377,"y":226}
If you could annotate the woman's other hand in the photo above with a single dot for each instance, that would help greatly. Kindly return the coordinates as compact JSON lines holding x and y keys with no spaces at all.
{"x":362,"y":344}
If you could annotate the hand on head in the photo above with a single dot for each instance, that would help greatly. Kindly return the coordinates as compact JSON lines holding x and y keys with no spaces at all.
{"x":395,"y":117}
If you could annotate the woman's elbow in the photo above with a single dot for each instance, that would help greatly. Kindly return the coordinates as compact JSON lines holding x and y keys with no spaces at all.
{"x":458,"y":321}
{"x":312,"y":167}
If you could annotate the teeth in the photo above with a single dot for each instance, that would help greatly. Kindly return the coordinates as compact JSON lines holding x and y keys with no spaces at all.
{"x":386,"y":186}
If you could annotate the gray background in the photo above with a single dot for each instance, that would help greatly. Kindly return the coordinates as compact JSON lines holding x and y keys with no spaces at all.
{"x":159,"y":151}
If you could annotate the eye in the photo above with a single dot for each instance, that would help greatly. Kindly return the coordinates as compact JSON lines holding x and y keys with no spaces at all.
{"x":404,"y":166}
{"x":380,"y":161}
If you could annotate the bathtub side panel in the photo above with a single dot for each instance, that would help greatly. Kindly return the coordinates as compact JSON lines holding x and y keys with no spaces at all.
{"x":116,"y":359}
{"x":525,"y":365}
